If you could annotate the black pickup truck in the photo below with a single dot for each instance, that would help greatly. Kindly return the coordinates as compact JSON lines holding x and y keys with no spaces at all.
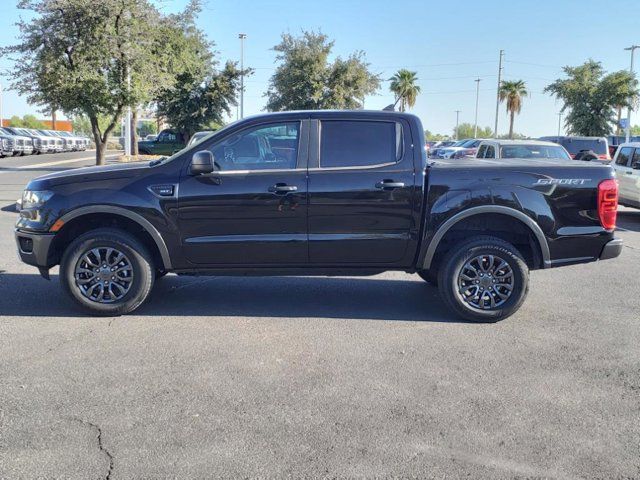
{"x":318,"y":193}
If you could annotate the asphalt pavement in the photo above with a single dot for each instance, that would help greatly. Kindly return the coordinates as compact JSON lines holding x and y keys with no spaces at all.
{"x":317,"y":377}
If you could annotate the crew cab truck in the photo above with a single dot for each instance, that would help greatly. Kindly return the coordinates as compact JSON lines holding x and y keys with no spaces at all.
{"x":318,"y":193}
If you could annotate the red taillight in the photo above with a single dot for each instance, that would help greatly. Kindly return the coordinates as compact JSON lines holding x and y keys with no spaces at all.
{"x":608,"y":203}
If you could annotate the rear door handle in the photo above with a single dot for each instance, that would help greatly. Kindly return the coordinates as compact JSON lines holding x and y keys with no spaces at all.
{"x":389,"y":185}
{"x":280,"y":188}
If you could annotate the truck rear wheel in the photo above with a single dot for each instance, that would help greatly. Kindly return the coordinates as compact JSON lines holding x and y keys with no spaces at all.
{"x":107,"y":272}
{"x":483,"y":279}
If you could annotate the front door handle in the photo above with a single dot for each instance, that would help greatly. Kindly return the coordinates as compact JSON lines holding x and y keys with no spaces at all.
{"x":389,"y":185}
{"x":282,"y":188}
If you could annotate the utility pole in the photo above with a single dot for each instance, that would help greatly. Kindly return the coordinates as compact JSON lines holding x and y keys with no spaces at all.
{"x":632,"y":48}
{"x":127,"y":124}
{"x":495,"y":129}
{"x":242,"y":37}
{"x":475,"y":125}
{"x":457,"y":123}
{"x":559,"y":123}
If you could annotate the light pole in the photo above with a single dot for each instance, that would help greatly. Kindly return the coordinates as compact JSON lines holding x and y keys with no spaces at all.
{"x":457,"y":123}
{"x":559,"y":123}
{"x":475,"y":125}
{"x":242,"y":37}
{"x":627,"y":129}
{"x":495,"y":129}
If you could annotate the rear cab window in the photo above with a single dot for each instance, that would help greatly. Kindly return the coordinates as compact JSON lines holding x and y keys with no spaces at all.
{"x":575,"y":145}
{"x":360,"y":143}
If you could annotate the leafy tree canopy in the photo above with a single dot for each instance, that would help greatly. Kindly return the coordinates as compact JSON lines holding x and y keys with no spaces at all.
{"x":465,"y":130}
{"x":306,"y":80}
{"x":27,"y":121}
{"x":592,"y":97}
{"x":201,"y":94}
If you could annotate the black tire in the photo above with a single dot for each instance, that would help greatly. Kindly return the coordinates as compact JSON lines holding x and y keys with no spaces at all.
{"x":429,"y":276}
{"x":136,"y":254}
{"x":450,"y":275}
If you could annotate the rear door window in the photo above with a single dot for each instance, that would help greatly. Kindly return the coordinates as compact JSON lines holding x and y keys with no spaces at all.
{"x":624,"y":155}
{"x":359,"y":143}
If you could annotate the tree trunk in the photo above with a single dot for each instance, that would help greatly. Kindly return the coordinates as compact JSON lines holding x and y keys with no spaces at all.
{"x":511,"y":126}
{"x":618,"y":129}
{"x":134,"y":132}
{"x":53,"y":119}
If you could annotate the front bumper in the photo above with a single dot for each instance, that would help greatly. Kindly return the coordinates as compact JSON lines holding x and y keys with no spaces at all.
{"x":612,"y":249}
{"x":35,"y":248}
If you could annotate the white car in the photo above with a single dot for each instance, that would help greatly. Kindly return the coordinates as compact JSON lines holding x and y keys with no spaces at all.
{"x":626,"y":163}
{"x":521,"y":149}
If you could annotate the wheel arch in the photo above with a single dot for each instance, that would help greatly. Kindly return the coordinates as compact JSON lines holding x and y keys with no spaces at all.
{"x":509,"y":213}
{"x":154,"y":240}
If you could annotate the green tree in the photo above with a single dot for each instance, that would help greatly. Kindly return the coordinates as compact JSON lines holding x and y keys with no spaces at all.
{"x":201,"y":93}
{"x":305,"y":80}
{"x":147,"y":128}
{"x":403,"y":85}
{"x":513,"y":92}
{"x":465,"y":130}
{"x":593,"y":97}
{"x":27,"y":121}
{"x":635,"y":131}
{"x":434,"y":137}
{"x":89,"y":58}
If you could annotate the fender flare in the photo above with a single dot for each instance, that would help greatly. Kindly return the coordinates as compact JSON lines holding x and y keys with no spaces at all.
{"x":139,"y":219}
{"x":512,"y":212}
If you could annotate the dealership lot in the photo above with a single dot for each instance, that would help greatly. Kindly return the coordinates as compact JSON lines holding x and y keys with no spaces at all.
{"x":316,"y":376}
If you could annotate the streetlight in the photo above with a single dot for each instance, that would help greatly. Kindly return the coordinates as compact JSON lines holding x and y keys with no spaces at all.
{"x":559,"y":123}
{"x":457,"y":123}
{"x":242,"y":37}
{"x":627,"y":129}
{"x":475,"y":126}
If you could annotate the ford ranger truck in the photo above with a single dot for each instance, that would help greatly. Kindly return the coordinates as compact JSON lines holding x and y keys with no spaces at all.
{"x":318,"y":193}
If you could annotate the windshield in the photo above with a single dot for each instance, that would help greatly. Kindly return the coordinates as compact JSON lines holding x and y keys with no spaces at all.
{"x":533,"y":151}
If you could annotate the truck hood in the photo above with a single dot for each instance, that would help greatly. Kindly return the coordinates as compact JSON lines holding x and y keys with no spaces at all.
{"x":89,"y":174}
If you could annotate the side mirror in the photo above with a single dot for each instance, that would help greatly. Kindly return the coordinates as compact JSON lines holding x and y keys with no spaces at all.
{"x":201,"y":163}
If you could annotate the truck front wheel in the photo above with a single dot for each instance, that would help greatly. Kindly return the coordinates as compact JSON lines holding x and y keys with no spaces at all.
{"x":483,"y":279}
{"x":107,"y":272}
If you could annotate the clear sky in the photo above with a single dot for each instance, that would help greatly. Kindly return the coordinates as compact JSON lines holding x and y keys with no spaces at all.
{"x":449,"y":44}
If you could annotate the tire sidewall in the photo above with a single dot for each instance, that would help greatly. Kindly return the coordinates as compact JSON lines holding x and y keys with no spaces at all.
{"x":448,"y":280}
{"x":138,"y":256}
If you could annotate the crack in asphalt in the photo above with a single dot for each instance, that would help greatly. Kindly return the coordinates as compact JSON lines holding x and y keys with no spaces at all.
{"x":106,"y":452}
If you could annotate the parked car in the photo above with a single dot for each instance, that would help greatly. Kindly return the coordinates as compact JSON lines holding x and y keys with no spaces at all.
{"x":198,"y":137}
{"x":447,"y":151}
{"x":521,"y":149}
{"x":626,"y":163}
{"x":575,"y":145}
{"x":6,"y":145}
{"x":167,"y":143}
{"x":41,"y":143}
{"x":318,"y":193}
{"x":467,"y":150}
{"x":433,"y":152}
{"x":22,"y":145}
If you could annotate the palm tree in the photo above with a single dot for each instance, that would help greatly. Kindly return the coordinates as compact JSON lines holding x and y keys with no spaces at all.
{"x":403,"y":85}
{"x":513,"y":92}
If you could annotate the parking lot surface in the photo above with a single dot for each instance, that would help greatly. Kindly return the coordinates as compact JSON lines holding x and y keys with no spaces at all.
{"x":335,"y":377}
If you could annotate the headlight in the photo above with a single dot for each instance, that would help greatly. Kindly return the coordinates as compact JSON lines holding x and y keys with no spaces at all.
{"x":35,"y":198}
